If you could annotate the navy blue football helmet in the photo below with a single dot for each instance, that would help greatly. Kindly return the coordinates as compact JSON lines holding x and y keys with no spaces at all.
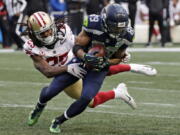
{"x":115,"y":19}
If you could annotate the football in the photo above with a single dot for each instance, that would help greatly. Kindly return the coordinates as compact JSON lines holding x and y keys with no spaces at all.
{"x":97,"y":50}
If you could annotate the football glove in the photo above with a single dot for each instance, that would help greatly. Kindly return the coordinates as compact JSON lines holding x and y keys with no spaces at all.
{"x":75,"y":70}
{"x":93,"y":60}
{"x":104,"y":64}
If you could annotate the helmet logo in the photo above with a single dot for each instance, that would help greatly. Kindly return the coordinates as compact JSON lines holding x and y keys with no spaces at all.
{"x":39,"y":19}
{"x":122,"y":24}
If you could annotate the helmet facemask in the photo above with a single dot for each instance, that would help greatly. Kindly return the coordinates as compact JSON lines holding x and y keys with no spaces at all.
{"x":61,"y":33}
{"x":116,"y":29}
{"x":51,"y":38}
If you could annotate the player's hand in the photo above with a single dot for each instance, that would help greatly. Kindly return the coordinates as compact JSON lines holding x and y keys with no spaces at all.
{"x":93,"y":60}
{"x":127,"y":57}
{"x":104,"y":64}
{"x":75,"y":70}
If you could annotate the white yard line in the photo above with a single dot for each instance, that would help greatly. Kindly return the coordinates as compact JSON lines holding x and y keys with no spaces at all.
{"x":6,"y":50}
{"x":145,"y":104}
{"x":159,"y":104}
{"x":155,"y":89}
{"x":164,"y":63}
{"x":154,"y":49}
{"x":129,"y":49}
{"x":170,"y":75}
{"x":17,"y":69}
{"x":93,"y":111}
{"x":139,"y":82}
{"x":136,"y":114}
{"x":3,"y":83}
{"x":20,"y":83}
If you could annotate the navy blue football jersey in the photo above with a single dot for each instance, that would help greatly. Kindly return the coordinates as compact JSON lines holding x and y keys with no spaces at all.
{"x":93,"y":27}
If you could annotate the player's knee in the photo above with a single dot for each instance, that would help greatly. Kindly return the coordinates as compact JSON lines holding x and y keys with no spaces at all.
{"x":44,"y":90}
{"x":84,"y":101}
{"x":77,"y":107}
{"x":45,"y":95}
{"x":90,"y":105}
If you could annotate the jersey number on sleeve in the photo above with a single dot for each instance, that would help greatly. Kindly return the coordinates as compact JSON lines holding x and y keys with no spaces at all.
{"x":59,"y":60}
{"x":94,"y":18}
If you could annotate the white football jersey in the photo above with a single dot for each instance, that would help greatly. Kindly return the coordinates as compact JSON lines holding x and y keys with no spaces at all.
{"x":57,"y":56}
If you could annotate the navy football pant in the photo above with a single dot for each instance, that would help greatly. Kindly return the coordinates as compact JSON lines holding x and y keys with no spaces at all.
{"x":58,"y":84}
{"x":91,"y":85}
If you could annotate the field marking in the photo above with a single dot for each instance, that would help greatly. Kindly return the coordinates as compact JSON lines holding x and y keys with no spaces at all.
{"x":3,"y":83}
{"x":170,"y":75}
{"x":7,"y":50}
{"x":17,"y":69}
{"x":91,"y":110}
{"x":135,"y":114}
{"x":129,"y":49}
{"x":164,"y":63}
{"x":139,"y":82}
{"x":33,"y":70}
{"x":155,"y":89}
{"x":154,"y":49}
{"x":159,"y":104}
{"x":147,"y":104}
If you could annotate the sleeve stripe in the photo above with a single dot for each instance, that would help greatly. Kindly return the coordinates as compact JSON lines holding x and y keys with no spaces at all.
{"x":97,"y":32}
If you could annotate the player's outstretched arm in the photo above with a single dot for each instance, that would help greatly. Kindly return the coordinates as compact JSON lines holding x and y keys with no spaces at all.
{"x":47,"y":70}
{"x":51,"y":71}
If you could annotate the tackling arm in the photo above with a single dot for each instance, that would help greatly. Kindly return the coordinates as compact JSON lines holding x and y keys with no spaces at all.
{"x":47,"y":70}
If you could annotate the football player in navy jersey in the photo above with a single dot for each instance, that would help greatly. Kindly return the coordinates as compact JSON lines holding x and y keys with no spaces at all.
{"x":110,"y":29}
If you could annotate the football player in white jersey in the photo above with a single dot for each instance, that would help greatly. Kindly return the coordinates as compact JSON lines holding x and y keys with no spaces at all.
{"x":49,"y":47}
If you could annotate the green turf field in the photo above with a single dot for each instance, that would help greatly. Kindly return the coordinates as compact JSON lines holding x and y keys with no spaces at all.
{"x":158,"y":100}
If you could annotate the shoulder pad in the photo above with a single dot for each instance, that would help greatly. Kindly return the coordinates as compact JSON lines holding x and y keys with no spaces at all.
{"x":68,"y":30}
{"x":92,"y":22}
{"x":130,"y":34}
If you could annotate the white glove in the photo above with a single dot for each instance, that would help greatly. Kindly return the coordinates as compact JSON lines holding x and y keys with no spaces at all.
{"x":75,"y":70}
{"x":127,"y":58}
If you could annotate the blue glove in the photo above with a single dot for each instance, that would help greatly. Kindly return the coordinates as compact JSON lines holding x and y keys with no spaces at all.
{"x":92,"y":60}
{"x":104,"y":64}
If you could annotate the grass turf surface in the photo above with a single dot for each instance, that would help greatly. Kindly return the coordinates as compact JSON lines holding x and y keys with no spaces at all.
{"x":158,"y":111}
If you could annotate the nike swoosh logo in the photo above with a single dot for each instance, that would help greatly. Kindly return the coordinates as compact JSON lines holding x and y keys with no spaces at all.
{"x":128,"y":97}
